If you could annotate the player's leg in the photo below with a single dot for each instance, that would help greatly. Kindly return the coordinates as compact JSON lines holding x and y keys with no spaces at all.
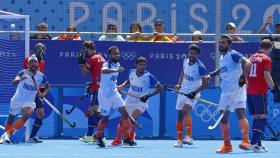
{"x":240,"y":105}
{"x":93,"y":118}
{"x":188,"y":123}
{"x":26,"y":113}
{"x":181,"y":100}
{"x":125,"y":122}
{"x":136,"y":113}
{"x":105,"y":105}
{"x":259,"y":105}
{"x":9,"y":122}
{"x":38,"y":122}
{"x":224,"y":125}
{"x":244,"y":127}
{"x":118,"y":140}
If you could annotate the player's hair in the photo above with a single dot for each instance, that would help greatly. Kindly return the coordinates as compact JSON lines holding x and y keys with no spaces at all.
{"x":266,"y":44}
{"x":228,"y":38}
{"x":194,"y":47}
{"x":141,"y":59}
{"x":112,"y":48}
{"x":89,"y":45}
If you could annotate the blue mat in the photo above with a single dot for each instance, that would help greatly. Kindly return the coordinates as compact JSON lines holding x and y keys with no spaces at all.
{"x":145,"y":149}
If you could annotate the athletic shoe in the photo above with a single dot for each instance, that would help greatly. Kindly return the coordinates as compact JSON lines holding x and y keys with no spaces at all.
{"x":257,"y":149}
{"x":128,"y":142}
{"x":178,"y":144}
{"x":101,"y":142}
{"x":116,"y":142}
{"x":188,"y":140}
{"x":1,"y":140}
{"x":245,"y":145}
{"x":86,"y":139}
{"x":224,"y":149}
{"x":6,"y":138}
{"x":34,"y":140}
{"x":264,"y":148}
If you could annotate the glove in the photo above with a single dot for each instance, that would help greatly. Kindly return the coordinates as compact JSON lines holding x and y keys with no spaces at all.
{"x":276,"y":94}
{"x":191,"y":95}
{"x":144,"y":98}
{"x":242,"y":81}
{"x":82,"y":58}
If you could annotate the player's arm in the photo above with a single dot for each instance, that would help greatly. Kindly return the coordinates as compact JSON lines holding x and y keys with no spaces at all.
{"x":107,"y":70}
{"x":178,"y":86}
{"x":20,"y":77}
{"x":158,"y":88}
{"x":268,"y":21}
{"x":268,"y":79}
{"x":215,"y":73}
{"x":124,"y":85}
{"x":246,"y":66}
{"x":46,"y":90}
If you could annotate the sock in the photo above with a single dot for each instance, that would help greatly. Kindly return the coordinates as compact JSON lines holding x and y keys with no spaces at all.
{"x":19,"y":123}
{"x":132,"y":131}
{"x":125,"y":127}
{"x":7,"y":126}
{"x":90,"y":125}
{"x":36,"y":126}
{"x":188,"y":122}
{"x":258,"y":131}
{"x":96,"y":119}
{"x":100,"y":128}
{"x":226,"y":133}
{"x":244,"y":126}
{"x":179,"y":129}
{"x":119,"y":132}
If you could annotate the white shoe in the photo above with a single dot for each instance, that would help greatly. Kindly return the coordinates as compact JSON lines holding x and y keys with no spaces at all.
{"x":264,"y":148}
{"x":257,"y":149}
{"x":86,"y":139}
{"x":188,"y":140}
{"x":6,"y":138}
{"x":1,"y":140}
{"x":178,"y":144}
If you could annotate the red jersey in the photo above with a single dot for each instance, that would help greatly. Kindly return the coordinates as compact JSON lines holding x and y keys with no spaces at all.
{"x":256,"y":80}
{"x":41,"y":67}
{"x":94,"y":64}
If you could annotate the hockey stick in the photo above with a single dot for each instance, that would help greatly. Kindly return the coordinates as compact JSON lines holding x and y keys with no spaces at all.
{"x":2,"y":127}
{"x":69,"y":111}
{"x":199,"y":99}
{"x":227,"y":107}
{"x":139,"y":126}
{"x":53,"y":108}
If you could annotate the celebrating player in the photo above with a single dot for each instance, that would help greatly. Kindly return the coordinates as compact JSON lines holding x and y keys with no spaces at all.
{"x":140,"y":81}
{"x":192,"y":80}
{"x":23,"y":100}
{"x":233,"y":70}
{"x":109,"y":97}
{"x":39,"y":51}
{"x":258,"y":81}
{"x":91,"y":61}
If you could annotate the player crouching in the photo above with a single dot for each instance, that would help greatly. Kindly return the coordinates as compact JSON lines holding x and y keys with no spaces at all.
{"x":23,"y":100}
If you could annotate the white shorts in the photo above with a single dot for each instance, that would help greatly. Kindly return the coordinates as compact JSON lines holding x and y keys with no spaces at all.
{"x":183,"y":100}
{"x":132,"y":105}
{"x":15,"y":107}
{"x":106,"y":103}
{"x":239,"y":101}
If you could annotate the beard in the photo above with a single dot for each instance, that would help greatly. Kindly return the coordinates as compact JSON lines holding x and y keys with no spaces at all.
{"x":115,"y":60}
{"x":222,"y":49}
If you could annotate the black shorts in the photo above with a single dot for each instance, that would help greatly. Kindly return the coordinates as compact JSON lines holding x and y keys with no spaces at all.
{"x":257,"y":104}
{"x":39,"y":102}
{"x":93,"y":98}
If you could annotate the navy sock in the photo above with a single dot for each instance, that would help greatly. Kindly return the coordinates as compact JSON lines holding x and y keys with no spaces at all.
{"x":258,"y":131}
{"x":90,"y":125}
{"x":36,"y":126}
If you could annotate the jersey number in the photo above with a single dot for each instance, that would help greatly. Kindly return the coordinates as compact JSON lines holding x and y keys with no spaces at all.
{"x":253,"y":72}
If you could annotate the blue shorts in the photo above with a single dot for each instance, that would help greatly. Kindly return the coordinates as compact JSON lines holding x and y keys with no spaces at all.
{"x":257,"y":104}
{"x":39,"y":103}
{"x":93,"y":98}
